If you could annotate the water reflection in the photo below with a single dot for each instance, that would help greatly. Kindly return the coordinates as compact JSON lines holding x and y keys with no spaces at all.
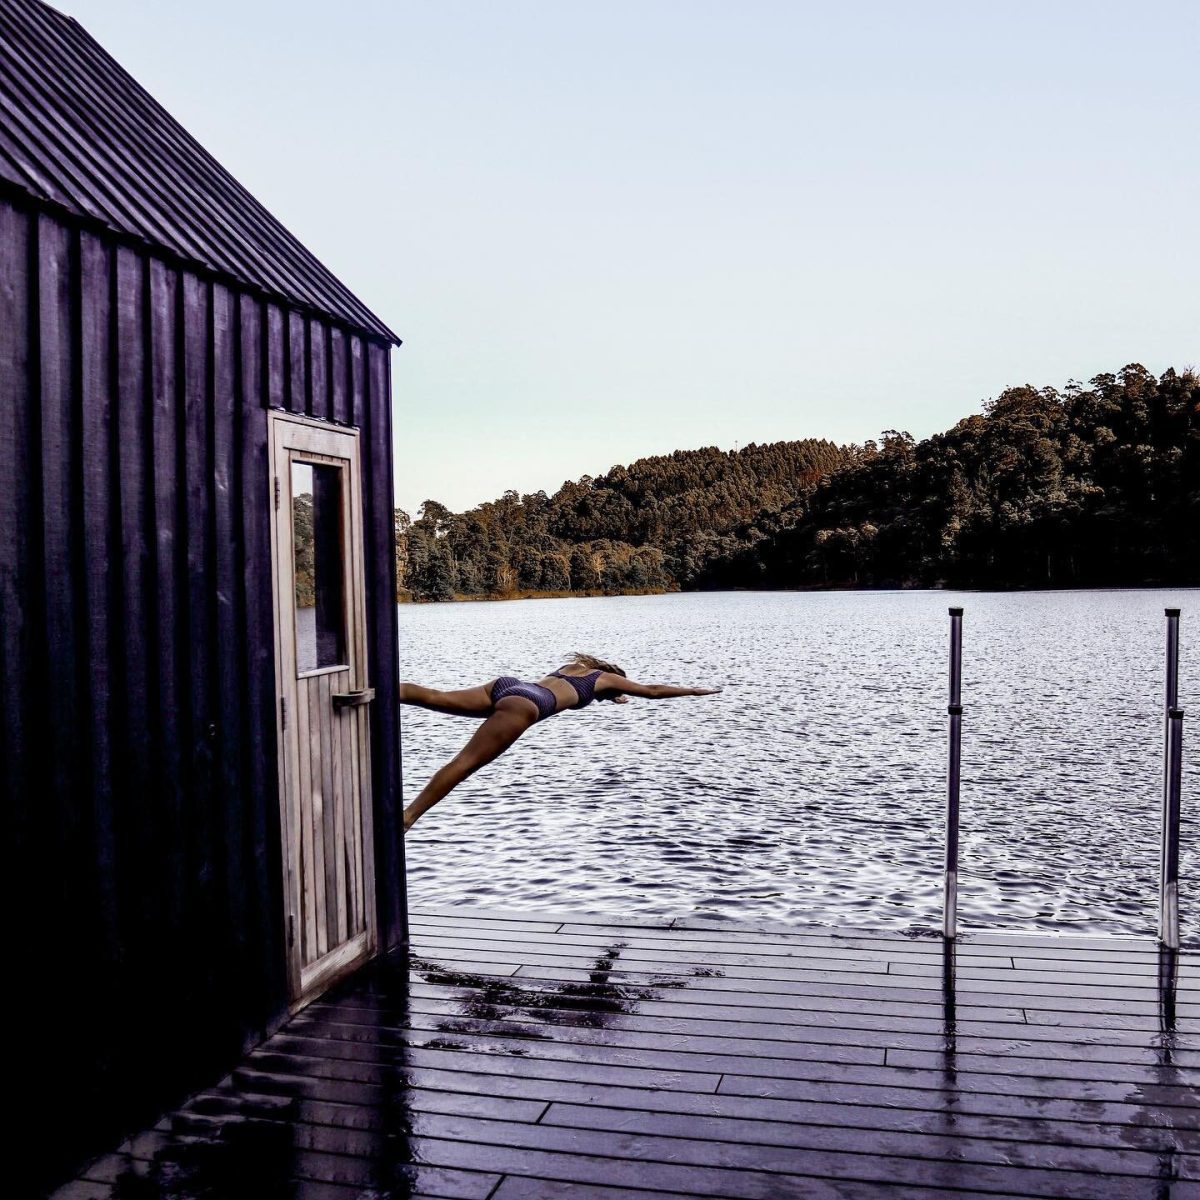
{"x":240,"y":1154}
{"x":282,"y":1118}
{"x":496,"y":1001}
{"x":944,"y":1122}
{"x":949,"y":1018}
{"x":1169,"y":1080}
{"x":1168,"y":983}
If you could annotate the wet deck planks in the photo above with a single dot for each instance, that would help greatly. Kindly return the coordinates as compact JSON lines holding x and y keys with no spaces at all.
{"x":524,"y":1057}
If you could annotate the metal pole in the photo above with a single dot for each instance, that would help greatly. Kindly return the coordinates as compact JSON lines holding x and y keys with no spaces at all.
{"x":1168,"y":921}
{"x":950,"y":900}
{"x":1172,"y":688}
{"x":1168,"y":897}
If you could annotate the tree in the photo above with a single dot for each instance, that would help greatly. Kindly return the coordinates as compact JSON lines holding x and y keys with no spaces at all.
{"x":403,"y":524}
{"x":584,"y":576}
{"x":556,"y":572}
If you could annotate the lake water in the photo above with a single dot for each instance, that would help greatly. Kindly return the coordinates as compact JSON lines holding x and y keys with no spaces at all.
{"x":812,"y":790}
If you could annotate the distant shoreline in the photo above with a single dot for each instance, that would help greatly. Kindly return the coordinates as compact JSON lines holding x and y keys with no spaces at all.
{"x":1152,"y":585}
{"x":538,"y":595}
{"x":1042,"y":489}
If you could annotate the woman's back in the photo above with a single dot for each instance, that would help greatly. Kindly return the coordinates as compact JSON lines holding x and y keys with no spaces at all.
{"x":582,"y":683}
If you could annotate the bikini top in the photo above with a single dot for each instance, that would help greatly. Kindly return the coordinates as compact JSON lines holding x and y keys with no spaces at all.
{"x":584,"y":685}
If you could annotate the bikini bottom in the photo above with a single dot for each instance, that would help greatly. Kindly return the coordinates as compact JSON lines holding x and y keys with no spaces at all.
{"x":543,"y":697}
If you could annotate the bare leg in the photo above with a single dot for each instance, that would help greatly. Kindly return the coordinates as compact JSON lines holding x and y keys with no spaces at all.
{"x":466,"y":702}
{"x":512,"y":717}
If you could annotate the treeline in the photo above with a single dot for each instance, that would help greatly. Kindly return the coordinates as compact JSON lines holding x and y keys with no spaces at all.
{"x":1088,"y":486}
{"x":1095,"y":486}
{"x":659,"y":523}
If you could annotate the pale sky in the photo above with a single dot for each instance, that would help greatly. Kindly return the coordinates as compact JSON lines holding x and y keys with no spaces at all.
{"x":611,"y":230}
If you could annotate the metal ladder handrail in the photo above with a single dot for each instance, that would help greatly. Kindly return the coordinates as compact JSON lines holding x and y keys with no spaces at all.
{"x":1168,"y":898}
{"x":1168,"y":918}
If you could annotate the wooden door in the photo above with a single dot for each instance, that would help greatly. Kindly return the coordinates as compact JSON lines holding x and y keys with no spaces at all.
{"x":324,"y":693}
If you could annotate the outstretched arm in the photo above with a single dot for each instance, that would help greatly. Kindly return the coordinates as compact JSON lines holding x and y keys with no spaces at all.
{"x":609,"y":683}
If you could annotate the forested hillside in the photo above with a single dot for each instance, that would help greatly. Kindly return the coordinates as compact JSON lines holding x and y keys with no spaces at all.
{"x":1088,"y":486}
{"x":658,"y":523}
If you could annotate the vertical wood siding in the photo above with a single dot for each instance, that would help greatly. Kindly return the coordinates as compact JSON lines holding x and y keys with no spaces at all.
{"x":138,"y":767}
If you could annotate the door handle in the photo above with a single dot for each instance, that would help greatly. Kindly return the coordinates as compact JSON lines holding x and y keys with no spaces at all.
{"x":353,"y":699}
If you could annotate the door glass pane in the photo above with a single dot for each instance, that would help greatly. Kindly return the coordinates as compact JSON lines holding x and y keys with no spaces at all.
{"x":320,"y":590}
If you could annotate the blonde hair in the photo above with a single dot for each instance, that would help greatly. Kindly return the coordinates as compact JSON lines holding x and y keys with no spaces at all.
{"x":595,"y":664}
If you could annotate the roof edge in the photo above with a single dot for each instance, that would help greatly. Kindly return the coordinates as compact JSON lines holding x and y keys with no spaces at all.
{"x":9,"y":190}
{"x":85,"y":175}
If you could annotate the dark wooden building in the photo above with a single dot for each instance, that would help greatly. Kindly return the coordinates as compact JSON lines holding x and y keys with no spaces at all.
{"x":199,"y":752}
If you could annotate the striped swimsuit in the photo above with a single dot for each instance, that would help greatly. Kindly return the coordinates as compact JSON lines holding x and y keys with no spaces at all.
{"x":543,"y":697}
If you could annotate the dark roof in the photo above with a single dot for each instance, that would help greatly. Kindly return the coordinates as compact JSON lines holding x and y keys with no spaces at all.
{"x":78,"y":132}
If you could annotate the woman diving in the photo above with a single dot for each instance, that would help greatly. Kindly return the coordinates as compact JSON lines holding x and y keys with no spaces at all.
{"x":510,"y":706}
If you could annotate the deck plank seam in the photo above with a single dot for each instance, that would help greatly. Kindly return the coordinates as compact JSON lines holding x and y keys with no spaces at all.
{"x":803,"y":1034}
{"x":847,"y":956}
{"x":848,"y":1157}
{"x":1071,"y":1035}
{"x":644,"y":1190}
{"x":1017,"y":1137}
{"x":1035,"y":1050}
{"x":1034,"y":1115}
{"x":967,"y":999}
{"x":849,"y":948}
{"x":473,"y":949}
{"x":150,"y":1157}
{"x":698,"y":1071}
{"x":421,"y":1037}
{"x":401,"y":1068}
{"x":1051,"y":949}
{"x":266,"y":1099}
{"x":904,"y":1080}
{"x":1074,"y":1036}
{"x":1086,"y":986}
{"x":1014,"y":983}
{"x":972,"y":935}
{"x":1142,"y":1025}
{"x":1133,"y":1168}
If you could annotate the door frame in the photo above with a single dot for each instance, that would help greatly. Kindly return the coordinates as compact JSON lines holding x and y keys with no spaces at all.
{"x":352,"y":953}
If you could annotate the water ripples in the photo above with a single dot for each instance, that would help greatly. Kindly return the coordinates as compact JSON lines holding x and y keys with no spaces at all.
{"x":812,"y":789}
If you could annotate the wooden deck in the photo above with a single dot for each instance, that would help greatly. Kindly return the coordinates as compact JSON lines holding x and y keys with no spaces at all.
{"x":524,"y":1057}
